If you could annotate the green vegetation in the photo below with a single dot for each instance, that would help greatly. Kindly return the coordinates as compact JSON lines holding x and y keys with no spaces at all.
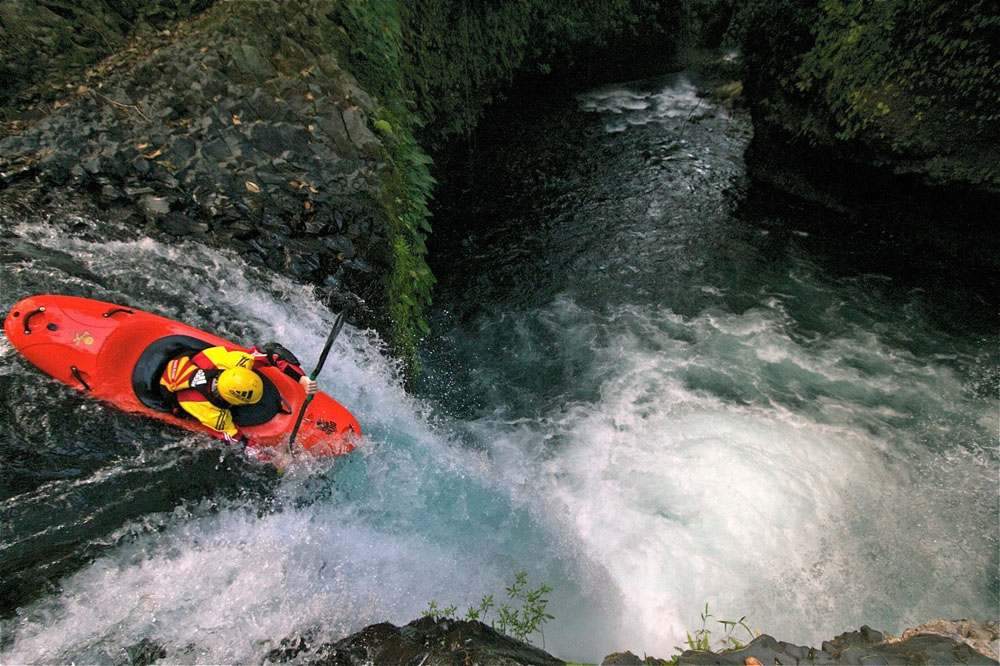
{"x":372,"y":44}
{"x":520,"y":620}
{"x":705,"y":640}
{"x":912,"y":78}
{"x":434,"y":65}
{"x":885,"y":66}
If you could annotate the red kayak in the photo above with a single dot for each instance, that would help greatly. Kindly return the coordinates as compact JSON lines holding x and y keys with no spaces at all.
{"x":117,"y":354}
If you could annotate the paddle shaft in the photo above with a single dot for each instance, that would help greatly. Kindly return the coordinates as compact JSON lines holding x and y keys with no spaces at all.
{"x":334,"y":332}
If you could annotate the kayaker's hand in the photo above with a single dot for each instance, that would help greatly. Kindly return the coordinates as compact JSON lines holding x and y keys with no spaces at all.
{"x":308,"y":384}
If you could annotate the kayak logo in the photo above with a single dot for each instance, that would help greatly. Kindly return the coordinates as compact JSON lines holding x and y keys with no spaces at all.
{"x":329,"y":427}
{"x":242,"y":395}
{"x":198,"y":379}
{"x":83,"y":338}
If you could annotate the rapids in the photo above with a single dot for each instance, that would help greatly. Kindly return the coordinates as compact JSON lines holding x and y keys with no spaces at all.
{"x":647,"y":387}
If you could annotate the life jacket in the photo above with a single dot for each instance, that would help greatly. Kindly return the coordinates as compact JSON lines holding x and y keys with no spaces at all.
{"x":193,"y":387}
{"x":191,"y":380}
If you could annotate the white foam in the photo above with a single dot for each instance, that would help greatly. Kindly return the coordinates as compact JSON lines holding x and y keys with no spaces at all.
{"x":720,"y":459}
{"x":677,"y":98}
{"x":757,"y":509}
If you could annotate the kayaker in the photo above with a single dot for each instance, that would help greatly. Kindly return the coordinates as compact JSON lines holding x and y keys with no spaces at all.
{"x":208,"y":384}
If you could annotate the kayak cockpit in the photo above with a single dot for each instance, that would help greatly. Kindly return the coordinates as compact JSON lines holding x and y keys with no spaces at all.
{"x":153,"y":361}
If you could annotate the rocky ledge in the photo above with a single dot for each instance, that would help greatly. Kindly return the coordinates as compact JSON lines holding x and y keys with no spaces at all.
{"x":934,"y":643}
{"x":232,"y":129}
{"x":447,"y":642}
{"x":427,"y":642}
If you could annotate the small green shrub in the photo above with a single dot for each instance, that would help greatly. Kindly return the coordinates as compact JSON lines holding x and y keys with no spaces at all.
{"x":520,"y":619}
{"x":704,"y":640}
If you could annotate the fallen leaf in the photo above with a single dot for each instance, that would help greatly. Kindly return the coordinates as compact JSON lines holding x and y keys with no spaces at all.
{"x":313,"y":190}
{"x":253,"y":187}
{"x":310,"y":127}
{"x":236,"y":120}
{"x":308,"y":205}
{"x":142,"y":146}
{"x":81,"y":89}
{"x":309,"y":95}
{"x":294,"y":183}
{"x":153,"y":154}
{"x":752,"y":661}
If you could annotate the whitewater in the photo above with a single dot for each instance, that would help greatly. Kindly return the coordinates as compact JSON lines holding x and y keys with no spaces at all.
{"x":644,"y":400}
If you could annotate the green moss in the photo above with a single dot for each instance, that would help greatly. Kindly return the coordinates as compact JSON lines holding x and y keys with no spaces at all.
{"x":434,"y":66}
{"x":372,"y":45}
{"x":911,"y":79}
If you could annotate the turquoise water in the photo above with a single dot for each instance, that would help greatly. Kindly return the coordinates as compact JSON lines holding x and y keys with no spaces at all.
{"x":649,"y":387}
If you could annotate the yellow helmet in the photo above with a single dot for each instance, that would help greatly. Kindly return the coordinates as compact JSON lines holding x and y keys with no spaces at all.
{"x":239,"y":386}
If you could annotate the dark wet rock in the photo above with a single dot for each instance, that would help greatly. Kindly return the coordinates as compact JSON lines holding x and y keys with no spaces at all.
{"x":918,"y":647}
{"x":230,"y":132}
{"x":280,"y":138}
{"x":145,"y":652}
{"x":177,"y":224}
{"x":357,"y":129}
{"x":448,"y":642}
{"x":428,"y":642}
{"x":622,"y":659}
{"x":248,"y":59}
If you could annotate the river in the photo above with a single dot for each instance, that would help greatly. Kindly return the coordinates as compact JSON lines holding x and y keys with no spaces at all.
{"x":650,"y":387}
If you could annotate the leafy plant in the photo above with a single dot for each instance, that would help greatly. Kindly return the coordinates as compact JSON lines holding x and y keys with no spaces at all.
{"x":705,"y":640}
{"x":916,"y":77}
{"x":520,"y":619}
{"x":885,"y":65}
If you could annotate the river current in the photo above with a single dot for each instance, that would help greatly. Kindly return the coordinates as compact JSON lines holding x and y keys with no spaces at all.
{"x":649,"y":387}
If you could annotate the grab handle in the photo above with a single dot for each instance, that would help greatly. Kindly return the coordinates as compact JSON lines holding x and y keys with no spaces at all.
{"x":76,"y":373}
{"x":27,"y":319}
{"x":117,"y":310}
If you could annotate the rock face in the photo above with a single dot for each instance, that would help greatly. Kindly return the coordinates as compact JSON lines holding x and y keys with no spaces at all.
{"x":234,"y":129}
{"x":883,"y":113}
{"x":446,"y":642}
{"x":47,"y":40}
{"x":935,"y":643}
{"x":427,"y":641}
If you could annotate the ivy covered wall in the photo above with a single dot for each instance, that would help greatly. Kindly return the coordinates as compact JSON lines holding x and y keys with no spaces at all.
{"x":435,"y":65}
{"x":915,"y":82}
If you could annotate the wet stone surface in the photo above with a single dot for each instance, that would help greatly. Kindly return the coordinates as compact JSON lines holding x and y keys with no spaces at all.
{"x":226,"y":140}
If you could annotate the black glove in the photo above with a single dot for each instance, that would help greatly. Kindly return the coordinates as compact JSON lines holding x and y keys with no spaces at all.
{"x":276,"y":352}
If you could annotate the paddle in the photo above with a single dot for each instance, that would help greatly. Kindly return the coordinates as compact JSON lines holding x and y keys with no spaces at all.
{"x":337,"y":325}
